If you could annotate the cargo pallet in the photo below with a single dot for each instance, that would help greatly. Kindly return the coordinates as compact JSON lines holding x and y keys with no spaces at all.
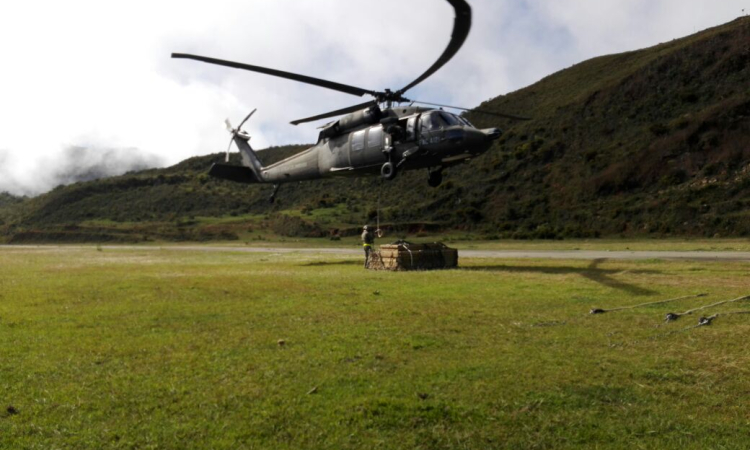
{"x":403,"y":255}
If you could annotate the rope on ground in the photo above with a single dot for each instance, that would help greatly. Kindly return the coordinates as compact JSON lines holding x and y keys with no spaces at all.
{"x":671,"y":317}
{"x":709,"y":319}
{"x":602,"y":311}
{"x":705,"y":321}
{"x":702,"y":322}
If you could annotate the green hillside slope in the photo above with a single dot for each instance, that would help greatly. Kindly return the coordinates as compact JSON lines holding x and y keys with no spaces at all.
{"x":653,"y":140}
{"x":8,"y":200}
{"x":650,"y":141}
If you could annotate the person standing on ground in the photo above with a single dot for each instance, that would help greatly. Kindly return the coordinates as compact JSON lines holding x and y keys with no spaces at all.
{"x":367,"y":240}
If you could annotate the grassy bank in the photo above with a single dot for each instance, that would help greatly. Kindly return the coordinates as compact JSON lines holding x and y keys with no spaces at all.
{"x":162,"y":349}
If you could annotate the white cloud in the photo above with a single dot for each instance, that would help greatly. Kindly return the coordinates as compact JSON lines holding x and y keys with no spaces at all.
{"x":98,"y":74}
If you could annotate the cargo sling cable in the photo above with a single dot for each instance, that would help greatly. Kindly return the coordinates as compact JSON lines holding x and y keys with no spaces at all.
{"x":378,"y":232}
{"x":602,"y":311}
{"x":411,"y":255}
{"x":375,"y":255}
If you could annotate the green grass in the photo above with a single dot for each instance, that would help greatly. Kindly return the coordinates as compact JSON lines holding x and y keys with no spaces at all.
{"x":612,"y":244}
{"x":465,"y":241}
{"x":171,"y":349}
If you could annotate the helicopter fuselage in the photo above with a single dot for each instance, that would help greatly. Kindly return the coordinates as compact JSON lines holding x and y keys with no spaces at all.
{"x":363,"y":143}
{"x":368,"y":139}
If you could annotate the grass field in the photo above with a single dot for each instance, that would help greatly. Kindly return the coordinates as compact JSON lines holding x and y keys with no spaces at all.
{"x":147,"y":349}
{"x":460,"y":242}
{"x":463,"y":241}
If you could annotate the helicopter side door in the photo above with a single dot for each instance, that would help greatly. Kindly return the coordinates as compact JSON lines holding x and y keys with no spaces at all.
{"x":357,"y":148}
{"x":337,"y":157}
{"x":366,"y":148}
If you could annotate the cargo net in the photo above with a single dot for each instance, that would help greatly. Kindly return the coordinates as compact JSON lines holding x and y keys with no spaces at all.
{"x":403,"y":255}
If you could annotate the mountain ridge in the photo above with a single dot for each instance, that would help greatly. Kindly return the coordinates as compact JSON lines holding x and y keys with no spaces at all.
{"x":652,"y":141}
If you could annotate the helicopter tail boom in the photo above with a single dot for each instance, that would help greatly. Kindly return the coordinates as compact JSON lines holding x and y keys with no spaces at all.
{"x":250,"y":172}
{"x":249,"y":158}
{"x":238,"y":174}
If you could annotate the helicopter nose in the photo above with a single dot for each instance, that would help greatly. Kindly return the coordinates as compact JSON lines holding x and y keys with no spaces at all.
{"x":474,"y":138}
{"x":492,"y":134}
{"x":479,"y":141}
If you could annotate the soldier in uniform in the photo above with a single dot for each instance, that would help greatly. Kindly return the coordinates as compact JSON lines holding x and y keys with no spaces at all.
{"x":367,"y":240}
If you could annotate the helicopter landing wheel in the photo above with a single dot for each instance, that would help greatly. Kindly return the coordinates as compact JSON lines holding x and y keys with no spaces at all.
{"x":388,"y":171}
{"x":435,"y":178}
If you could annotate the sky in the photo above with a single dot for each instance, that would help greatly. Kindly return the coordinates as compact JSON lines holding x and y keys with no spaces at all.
{"x":88,"y":88}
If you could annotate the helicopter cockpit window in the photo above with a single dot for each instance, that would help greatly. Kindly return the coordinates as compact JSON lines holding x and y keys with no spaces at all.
{"x":375,"y":138}
{"x":466,"y":121}
{"x":431,"y":121}
{"x":358,"y":141}
{"x":450,"y":119}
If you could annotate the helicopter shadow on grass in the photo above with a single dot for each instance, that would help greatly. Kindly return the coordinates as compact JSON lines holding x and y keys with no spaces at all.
{"x":593,"y":272}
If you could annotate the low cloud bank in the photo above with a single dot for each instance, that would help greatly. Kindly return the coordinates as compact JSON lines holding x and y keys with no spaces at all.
{"x":72,"y":165}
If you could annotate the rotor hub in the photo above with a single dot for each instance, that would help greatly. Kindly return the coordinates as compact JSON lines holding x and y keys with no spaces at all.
{"x":388,"y":96}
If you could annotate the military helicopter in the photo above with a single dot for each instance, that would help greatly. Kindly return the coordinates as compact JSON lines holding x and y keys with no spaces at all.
{"x":376,"y":137}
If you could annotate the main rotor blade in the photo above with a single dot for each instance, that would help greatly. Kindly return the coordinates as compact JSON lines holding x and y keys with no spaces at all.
{"x":461,"y":27}
{"x":338,"y":112}
{"x":246,"y":118}
{"x":353,"y":90}
{"x":507,"y":116}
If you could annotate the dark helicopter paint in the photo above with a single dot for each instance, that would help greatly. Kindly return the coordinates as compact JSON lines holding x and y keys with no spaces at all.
{"x":369,"y":139}
{"x":424,"y":138}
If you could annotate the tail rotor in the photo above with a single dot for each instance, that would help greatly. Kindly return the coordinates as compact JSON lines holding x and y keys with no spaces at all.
{"x":236,"y":131}
{"x":229,"y":147}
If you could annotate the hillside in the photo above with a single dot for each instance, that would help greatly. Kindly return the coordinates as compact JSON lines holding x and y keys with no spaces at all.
{"x":8,"y":200}
{"x":650,"y":141}
{"x":654,"y":141}
{"x":8,"y":204}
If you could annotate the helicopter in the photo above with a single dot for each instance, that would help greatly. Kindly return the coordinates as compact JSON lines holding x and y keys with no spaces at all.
{"x":375,"y":137}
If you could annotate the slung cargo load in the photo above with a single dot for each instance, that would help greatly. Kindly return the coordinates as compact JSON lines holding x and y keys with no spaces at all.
{"x":404,"y":255}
